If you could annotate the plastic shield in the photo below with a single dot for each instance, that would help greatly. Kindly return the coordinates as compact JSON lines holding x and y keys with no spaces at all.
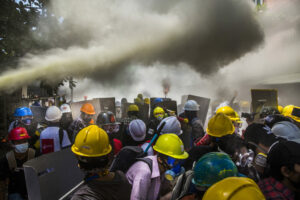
{"x":52,"y":175}
{"x":107,"y":104}
{"x":39,"y":114}
{"x":202,"y":102}
{"x":262,"y":98}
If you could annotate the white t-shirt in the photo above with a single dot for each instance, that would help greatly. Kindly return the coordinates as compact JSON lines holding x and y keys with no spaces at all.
{"x":49,"y":140}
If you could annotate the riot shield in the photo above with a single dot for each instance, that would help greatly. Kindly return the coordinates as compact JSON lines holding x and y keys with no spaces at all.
{"x":107,"y":104}
{"x":75,"y":106}
{"x":144,"y":112}
{"x":39,"y":114}
{"x":52,"y":175}
{"x":263,"y":98}
{"x":202,"y":102}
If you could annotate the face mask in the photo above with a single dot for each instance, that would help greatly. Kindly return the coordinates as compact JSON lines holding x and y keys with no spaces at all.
{"x":21,"y":148}
{"x":159,"y":117}
{"x":245,"y":159}
{"x":87,"y":119}
{"x":261,"y":160}
{"x":175,"y":171}
{"x":27,"y":121}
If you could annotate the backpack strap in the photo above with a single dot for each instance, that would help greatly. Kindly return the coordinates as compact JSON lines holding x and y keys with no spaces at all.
{"x":12,"y":163}
{"x":182,"y":185}
{"x":148,"y":161}
{"x":31,"y":154}
{"x":61,"y":136}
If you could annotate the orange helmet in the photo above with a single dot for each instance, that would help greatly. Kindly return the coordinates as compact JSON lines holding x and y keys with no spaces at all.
{"x":88,"y":109}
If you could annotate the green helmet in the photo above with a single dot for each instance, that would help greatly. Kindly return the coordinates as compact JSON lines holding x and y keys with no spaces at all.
{"x":213,"y":167}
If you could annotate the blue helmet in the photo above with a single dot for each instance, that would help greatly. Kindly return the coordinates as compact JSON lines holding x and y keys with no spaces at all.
{"x":213,"y":167}
{"x":157,"y":100}
{"x":23,"y":111}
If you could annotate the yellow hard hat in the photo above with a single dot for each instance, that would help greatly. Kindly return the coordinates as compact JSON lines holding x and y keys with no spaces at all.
{"x":147,"y":101}
{"x":229,"y":112}
{"x":234,"y":188}
{"x":219,"y":126}
{"x":91,"y":141}
{"x":288,"y":111}
{"x":133,"y":107}
{"x":158,"y":110}
{"x":170,"y":145}
{"x":280,"y":109}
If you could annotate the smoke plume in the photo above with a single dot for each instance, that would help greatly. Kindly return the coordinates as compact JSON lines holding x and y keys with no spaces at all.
{"x":109,"y":36}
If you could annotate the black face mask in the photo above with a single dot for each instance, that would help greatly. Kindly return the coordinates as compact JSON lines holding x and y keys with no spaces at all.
{"x":87,"y":119}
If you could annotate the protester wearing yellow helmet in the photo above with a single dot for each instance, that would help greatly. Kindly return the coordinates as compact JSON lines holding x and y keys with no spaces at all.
{"x":220,"y":125}
{"x":159,"y":114}
{"x":234,"y":188}
{"x":233,"y":116}
{"x":146,"y":182}
{"x":293,"y":112}
{"x":93,"y":151}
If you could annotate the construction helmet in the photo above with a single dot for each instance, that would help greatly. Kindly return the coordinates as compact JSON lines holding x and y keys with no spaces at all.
{"x":23,"y":111}
{"x":140,"y":96}
{"x":137,"y":130}
{"x":292,"y":112}
{"x":159,"y":113}
{"x":53,"y":114}
{"x":170,"y":125}
{"x":137,"y":101}
{"x":133,"y":108}
{"x":147,"y":101}
{"x":287,"y":130}
{"x":91,"y":141}
{"x":157,"y":100}
{"x":280,"y":109}
{"x":213,"y":167}
{"x":229,"y":112}
{"x":170,"y":145}
{"x":106,"y":118}
{"x":65,"y":108}
{"x":234,"y":188}
{"x":220,"y":125}
{"x":191,"y":105}
{"x":88,"y":108}
{"x":18,"y":133}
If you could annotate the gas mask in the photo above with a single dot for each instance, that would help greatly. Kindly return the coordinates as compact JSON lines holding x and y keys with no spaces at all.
{"x":159,"y":116}
{"x":26,"y":121}
{"x":246,"y":159}
{"x":176,"y":169}
{"x":261,"y":160}
{"x":21,"y":148}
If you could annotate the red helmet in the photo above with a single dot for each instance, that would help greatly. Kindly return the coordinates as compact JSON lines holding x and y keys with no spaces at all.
{"x":18,"y":133}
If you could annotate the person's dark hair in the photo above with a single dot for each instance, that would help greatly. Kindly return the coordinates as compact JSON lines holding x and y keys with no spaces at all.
{"x":133,"y":113}
{"x":231,"y":144}
{"x":275,"y":171}
{"x":190,"y":114}
{"x":93,"y":163}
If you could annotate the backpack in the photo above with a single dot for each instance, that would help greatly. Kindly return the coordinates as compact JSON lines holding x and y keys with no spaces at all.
{"x":182,"y":185}
{"x":12,"y":163}
{"x":127,"y":157}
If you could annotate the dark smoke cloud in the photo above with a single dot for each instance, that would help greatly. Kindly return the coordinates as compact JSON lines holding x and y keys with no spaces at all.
{"x":205,"y":34}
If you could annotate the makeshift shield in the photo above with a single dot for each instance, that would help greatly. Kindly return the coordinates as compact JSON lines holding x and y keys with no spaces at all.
{"x":39,"y":114}
{"x":52,"y":175}
{"x":75,"y":106}
{"x":263,"y":98}
{"x":202,"y":102}
{"x":107,"y":104}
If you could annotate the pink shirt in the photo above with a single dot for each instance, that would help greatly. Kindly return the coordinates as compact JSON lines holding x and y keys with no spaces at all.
{"x":145,"y":185}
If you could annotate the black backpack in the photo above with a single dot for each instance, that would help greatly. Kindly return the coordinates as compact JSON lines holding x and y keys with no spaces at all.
{"x":127,"y":157}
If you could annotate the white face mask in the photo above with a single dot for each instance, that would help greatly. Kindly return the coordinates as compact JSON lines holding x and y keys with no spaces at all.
{"x":21,"y":148}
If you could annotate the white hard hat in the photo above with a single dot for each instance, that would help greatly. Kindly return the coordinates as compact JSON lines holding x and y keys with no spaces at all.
{"x":137,"y":130}
{"x":65,"y":108}
{"x":172,"y":125}
{"x":53,"y":114}
{"x":286,"y":130}
{"x":191,"y":105}
{"x":118,"y":104}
